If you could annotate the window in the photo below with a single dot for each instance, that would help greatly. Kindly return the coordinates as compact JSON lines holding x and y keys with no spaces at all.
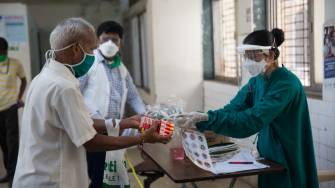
{"x":297,"y":52}
{"x":140,"y":51}
{"x":224,"y":39}
{"x":293,"y":19}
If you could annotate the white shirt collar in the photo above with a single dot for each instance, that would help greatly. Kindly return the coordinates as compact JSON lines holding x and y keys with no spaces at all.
{"x":63,"y":70}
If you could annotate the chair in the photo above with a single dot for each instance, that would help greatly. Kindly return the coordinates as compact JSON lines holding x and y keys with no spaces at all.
{"x":324,"y":176}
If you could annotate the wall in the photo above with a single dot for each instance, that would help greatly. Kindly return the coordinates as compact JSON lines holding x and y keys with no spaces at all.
{"x":323,"y":118}
{"x":175,"y":50}
{"x":244,"y":26}
{"x":319,"y":18}
{"x":24,"y":53}
{"x":48,"y":15}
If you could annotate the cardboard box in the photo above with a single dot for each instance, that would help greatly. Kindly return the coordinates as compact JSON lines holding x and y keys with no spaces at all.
{"x":213,"y":138}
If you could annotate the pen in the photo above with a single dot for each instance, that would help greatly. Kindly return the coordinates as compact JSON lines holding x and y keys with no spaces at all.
{"x":99,"y":113}
{"x":241,"y":163}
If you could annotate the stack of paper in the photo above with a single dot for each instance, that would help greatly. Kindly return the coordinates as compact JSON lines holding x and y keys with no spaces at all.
{"x":243,"y":156}
{"x":222,"y":148}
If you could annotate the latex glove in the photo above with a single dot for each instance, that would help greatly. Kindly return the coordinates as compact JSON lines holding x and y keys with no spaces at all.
{"x":193,"y":118}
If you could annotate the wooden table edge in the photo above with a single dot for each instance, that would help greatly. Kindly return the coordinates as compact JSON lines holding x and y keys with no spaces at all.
{"x":214,"y":177}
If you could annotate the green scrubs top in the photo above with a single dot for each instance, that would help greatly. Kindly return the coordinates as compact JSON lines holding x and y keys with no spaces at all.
{"x":277,"y":109}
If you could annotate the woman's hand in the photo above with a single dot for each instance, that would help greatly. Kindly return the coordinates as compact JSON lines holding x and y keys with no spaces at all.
{"x":194,"y":117}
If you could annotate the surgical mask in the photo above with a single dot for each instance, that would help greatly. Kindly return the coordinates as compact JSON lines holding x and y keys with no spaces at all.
{"x":81,"y":68}
{"x":3,"y":57}
{"x":115,"y":63}
{"x":327,"y":40}
{"x":255,"y":68}
{"x":108,"y":49}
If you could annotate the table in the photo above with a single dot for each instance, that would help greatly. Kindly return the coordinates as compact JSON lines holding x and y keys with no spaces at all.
{"x":182,"y":171}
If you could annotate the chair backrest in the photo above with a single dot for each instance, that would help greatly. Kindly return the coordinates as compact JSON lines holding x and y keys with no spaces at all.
{"x":326,"y":175}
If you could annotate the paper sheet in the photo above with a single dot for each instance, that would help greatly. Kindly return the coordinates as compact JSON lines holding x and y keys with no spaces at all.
{"x":196,"y":148}
{"x":243,"y":156}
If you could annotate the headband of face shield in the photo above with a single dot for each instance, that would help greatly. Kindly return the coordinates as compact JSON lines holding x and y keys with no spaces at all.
{"x":252,"y":60}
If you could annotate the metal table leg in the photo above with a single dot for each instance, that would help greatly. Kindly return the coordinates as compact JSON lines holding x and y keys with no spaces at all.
{"x":183,"y":185}
{"x":194,"y":185}
{"x":232,"y":182}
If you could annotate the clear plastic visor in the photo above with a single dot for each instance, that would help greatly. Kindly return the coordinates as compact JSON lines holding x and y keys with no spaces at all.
{"x":253,"y":67}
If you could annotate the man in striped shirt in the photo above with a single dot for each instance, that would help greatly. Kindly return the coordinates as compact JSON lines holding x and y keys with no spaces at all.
{"x":10,"y":101}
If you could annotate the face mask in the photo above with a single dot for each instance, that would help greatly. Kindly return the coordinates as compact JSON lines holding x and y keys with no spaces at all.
{"x":108,"y":49}
{"x":255,"y":68}
{"x":115,"y":63}
{"x":3,"y":57}
{"x":327,"y":40}
{"x":82,"y":67}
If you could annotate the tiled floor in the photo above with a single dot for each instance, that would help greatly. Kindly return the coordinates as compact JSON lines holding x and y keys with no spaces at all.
{"x":165,"y":182}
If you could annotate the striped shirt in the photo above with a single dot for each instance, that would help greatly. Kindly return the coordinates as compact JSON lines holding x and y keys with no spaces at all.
{"x":116,"y":86}
{"x":9,"y":70}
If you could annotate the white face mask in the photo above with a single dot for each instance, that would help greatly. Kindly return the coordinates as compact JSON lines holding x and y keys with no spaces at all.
{"x":108,"y":49}
{"x":255,"y":68}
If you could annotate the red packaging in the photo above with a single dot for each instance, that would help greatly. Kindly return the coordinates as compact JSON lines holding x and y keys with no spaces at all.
{"x":147,"y":122}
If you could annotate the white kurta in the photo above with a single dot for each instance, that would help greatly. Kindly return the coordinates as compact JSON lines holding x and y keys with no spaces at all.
{"x":55,"y":125}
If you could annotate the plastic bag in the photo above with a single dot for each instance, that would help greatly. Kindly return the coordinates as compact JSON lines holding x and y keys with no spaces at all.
{"x":173,"y":111}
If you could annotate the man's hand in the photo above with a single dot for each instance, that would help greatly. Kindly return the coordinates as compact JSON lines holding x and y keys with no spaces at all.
{"x":132,"y":122}
{"x":129,"y":123}
{"x":137,"y":117}
{"x":151,"y":136}
{"x":20,"y":103}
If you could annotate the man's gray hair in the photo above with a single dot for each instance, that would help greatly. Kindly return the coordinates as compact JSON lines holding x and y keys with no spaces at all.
{"x":70,"y":31}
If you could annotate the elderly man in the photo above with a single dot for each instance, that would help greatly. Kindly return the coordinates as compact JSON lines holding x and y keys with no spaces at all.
{"x":110,"y":94}
{"x":56,"y":125}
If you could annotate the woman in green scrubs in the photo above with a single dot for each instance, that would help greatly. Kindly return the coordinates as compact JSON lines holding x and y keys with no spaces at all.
{"x":272,"y":103}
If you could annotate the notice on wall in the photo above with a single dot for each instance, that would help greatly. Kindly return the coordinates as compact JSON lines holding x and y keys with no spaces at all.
{"x":13,"y":29}
{"x":329,"y":57}
{"x":248,"y":14}
{"x":2,"y":31}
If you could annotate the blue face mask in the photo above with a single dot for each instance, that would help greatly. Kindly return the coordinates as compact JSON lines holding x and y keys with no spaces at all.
{"x":81,"y":68}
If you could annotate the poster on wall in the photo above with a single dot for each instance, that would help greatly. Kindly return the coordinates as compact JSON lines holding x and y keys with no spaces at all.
{"x":329,"y":57}
{"x":2,"y":34}
{"x":13,"y":29}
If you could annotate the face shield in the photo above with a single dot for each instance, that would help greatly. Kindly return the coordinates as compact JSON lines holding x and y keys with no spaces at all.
{"x":252,"y":59}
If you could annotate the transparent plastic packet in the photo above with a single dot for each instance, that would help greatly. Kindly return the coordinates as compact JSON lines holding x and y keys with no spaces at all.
{"x":173,"y":111}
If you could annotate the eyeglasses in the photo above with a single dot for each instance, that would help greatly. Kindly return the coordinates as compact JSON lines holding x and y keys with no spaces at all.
{"x":253,"y":55}
{"x":114,"y":40}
